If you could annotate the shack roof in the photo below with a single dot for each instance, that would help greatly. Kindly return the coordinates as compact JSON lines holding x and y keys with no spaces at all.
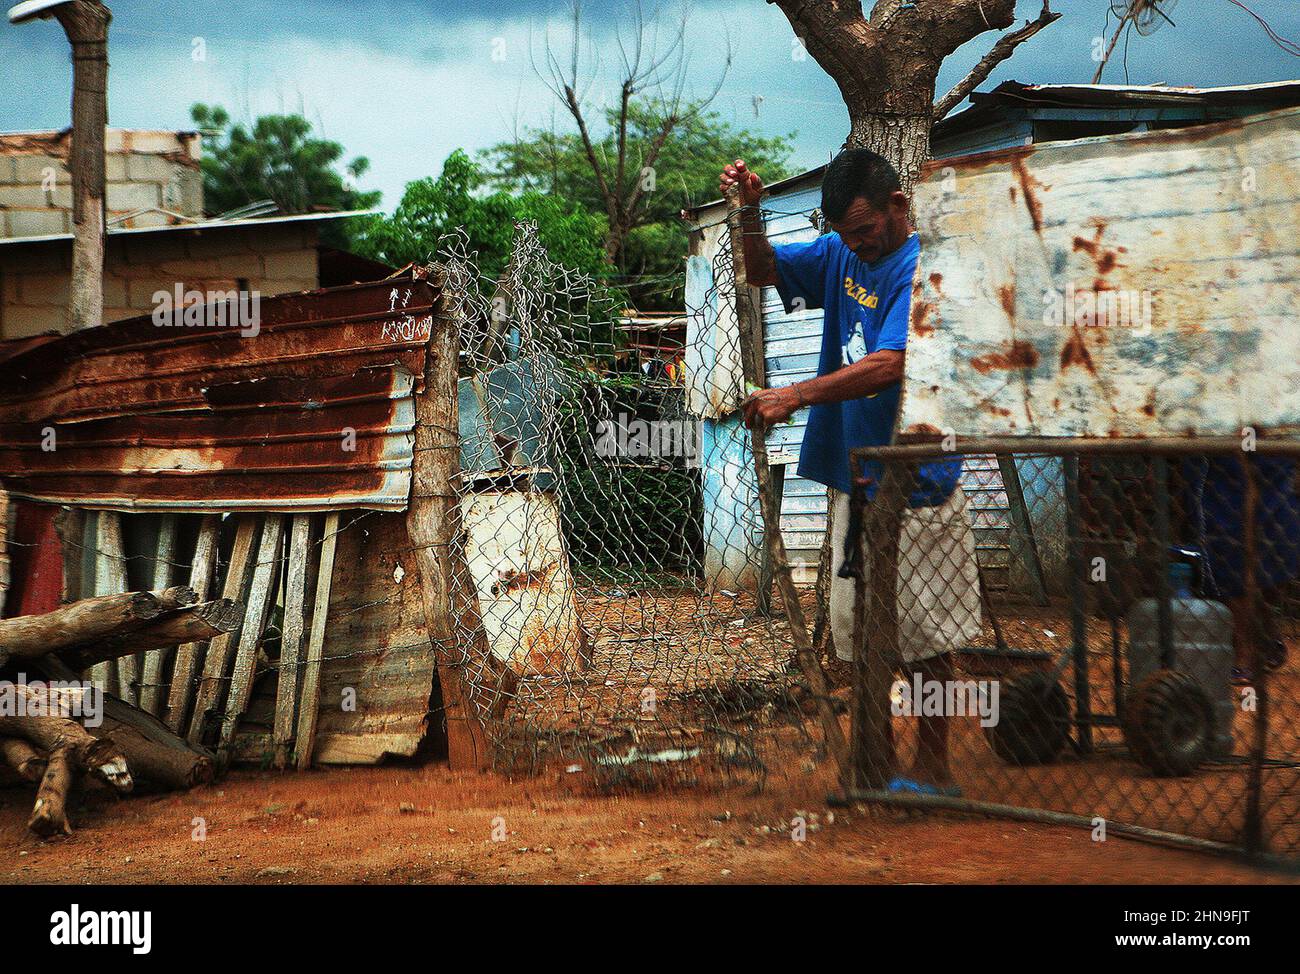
{"x":313,"y":412}
{"x":1166,"y":105}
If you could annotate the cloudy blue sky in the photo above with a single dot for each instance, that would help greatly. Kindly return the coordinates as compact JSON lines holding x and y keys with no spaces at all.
{"x":404,"y":82}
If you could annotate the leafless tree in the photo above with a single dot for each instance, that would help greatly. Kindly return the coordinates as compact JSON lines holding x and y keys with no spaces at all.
{"x":652,"y":68}
{"x":886,"y":62}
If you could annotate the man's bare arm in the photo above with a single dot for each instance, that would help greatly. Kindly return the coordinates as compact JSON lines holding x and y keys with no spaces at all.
{"x":867,"y":376}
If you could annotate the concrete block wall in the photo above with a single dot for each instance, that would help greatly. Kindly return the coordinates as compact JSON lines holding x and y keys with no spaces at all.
{"x":143,"y":169}
{"x":270,"y":259}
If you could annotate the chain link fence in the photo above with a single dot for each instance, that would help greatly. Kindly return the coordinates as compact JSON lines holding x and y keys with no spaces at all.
{"x":1132,"y":667}
{"x":639,"y":658}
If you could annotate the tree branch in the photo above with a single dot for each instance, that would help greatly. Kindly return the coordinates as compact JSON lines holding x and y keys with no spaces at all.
{"x":1002,"y":50}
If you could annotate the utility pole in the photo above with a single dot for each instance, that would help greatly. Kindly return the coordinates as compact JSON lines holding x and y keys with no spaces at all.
{"x":85,"y":22}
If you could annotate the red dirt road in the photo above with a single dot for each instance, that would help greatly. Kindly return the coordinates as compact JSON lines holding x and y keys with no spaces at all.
{"x":424,"y":824}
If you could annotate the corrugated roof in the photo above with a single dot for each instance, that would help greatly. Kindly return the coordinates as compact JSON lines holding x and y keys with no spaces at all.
{"x":147,"y":417}
{"x":198,"y":226}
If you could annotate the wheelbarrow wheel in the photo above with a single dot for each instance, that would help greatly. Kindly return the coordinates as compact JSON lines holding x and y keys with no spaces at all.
{"x":1168,"y":726}
{"x":1033,"y":724}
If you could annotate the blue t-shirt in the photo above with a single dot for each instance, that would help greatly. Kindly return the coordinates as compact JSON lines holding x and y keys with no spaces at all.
{"x":867,"y":307}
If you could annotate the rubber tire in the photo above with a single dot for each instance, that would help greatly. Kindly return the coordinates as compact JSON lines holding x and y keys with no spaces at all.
{"x":1169,"y":724}
{"x":1033,"y":720}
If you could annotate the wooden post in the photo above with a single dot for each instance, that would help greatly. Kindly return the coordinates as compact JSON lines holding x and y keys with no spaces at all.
{"x":433,"y":522}
{"x":305,"y":740}
{"x":750,"y":326}
{"x":85,"y":22}
{"x":876,"y":622}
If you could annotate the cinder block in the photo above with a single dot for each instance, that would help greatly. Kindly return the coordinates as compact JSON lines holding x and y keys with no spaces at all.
{"x":268,"y":288}
{"x":10,"y":293}
{"x":7,"y":175}
{"x":191,"y":192}
{"x":114,"y":291}
{"x":26,"y":196}
{"x":22,"y":321}
{"x":142,"y":168}
{"x":133,"y":196}
{"x":292,"y":265}
{"x":117,"y":314}
{"x":33,"y":169}
{"x":46,"y":288}
{"x":35,"y":223}
{"x":115,"y":168}
{"x":242,"y":265}
{"x":187,"y":268}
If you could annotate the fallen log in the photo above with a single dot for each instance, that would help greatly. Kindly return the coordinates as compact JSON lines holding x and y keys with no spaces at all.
{"x":86,"y":620}
{"x":71,"y":749}
{"x":153,"y":752}
{"x":193,"y":623}
{"x":24,"y":760}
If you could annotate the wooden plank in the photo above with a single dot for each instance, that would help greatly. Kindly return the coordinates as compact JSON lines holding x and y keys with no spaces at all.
{"x":238,"y":576}
{"x":295,"y":595}
{"x":110,"y":578}
{"x":187,"y":656}
{"x":151,"y":696}
{"x":261,"y":599}
{"x":315,"y":645}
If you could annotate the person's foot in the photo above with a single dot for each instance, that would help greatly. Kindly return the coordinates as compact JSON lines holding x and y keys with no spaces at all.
{"x":934,"y":773}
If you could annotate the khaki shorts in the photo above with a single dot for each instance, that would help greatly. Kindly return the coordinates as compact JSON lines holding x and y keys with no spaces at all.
{"x":938,"y":581}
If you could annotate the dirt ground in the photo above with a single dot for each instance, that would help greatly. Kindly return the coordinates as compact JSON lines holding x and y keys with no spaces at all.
{"x":425,"y":824}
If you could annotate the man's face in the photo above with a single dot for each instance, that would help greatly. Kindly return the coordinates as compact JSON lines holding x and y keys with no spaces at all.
{"x":870,"y":232}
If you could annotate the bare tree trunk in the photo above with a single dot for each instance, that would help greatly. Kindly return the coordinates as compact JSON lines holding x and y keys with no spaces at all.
{"x":903,"y":139}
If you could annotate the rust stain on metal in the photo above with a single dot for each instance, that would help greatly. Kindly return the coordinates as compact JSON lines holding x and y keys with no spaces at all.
{"x":1020,"y":354}
{"x":1007,"y":295}
{"x":921,"y":311}
{"x":1075,"y":352}
{"x":1165,"y":289}
{"x":313,"y":412}
{"x":1030,"y":185}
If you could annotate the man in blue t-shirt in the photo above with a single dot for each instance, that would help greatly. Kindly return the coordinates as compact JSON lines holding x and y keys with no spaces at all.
{"x":861,"y":275}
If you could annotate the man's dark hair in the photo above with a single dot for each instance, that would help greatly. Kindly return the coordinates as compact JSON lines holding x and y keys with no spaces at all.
{"x":854,"y":174}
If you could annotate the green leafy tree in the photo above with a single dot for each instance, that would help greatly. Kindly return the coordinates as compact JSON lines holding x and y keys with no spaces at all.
{"x":457,"y":200}
{"x":648,"y":256}
{"x":275,"y":158}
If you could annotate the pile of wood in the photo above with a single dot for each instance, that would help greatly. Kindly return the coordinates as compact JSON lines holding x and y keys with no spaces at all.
{"x":42,"y":742}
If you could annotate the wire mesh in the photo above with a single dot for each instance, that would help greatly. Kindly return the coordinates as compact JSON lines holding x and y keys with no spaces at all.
{"x":610,"y":543}
{"x":1133,"y":656}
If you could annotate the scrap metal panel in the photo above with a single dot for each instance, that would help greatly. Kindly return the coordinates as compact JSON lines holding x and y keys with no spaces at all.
{"x":314,"y":411}
{"x":1135,"y":285}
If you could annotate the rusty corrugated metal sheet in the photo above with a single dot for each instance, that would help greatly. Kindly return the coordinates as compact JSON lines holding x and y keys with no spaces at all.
{"x":151,"y":418}
{"x":1183,"y":245}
